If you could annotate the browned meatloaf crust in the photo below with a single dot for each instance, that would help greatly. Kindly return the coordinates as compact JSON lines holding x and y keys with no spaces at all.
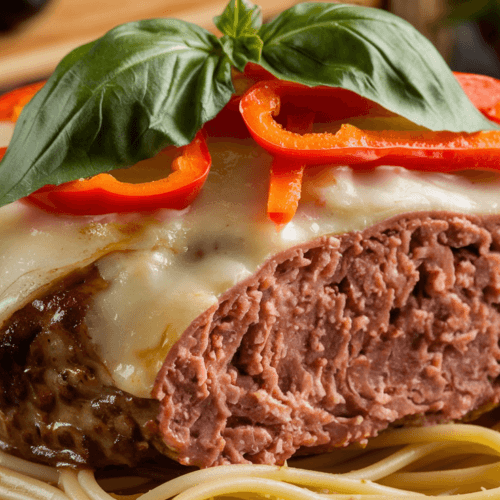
{"x":328,"y":343}
{"x":58,"y":404}
{"x":332,"y":341}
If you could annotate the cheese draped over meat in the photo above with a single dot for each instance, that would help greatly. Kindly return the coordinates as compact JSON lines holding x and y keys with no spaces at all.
{"x":165,"y":268}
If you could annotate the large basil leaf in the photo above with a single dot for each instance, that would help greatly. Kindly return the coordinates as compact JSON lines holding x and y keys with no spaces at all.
{"x":373,"y":53}
{"x":143,"y":86}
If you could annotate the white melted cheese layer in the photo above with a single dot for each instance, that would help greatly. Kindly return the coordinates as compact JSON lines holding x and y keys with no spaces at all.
{"x":166,"y":268}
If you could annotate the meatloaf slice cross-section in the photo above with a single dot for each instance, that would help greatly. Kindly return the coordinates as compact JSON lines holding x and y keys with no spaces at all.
{"x":326,"y":344}
{"x":334,"y":340}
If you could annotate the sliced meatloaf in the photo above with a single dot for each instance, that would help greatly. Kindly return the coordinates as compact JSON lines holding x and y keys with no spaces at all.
{"x":332,"y":341}
{"x":328,"y":343}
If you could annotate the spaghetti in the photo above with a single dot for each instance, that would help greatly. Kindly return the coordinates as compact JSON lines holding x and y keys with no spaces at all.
{"x":461,"y":461}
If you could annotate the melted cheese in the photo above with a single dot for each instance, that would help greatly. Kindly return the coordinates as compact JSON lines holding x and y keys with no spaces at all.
{"x":167,"y":267}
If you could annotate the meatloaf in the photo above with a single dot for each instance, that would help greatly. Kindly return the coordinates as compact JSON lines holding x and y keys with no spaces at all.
{"x":327,"y":343}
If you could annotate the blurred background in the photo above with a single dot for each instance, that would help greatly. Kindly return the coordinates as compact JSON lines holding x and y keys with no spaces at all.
{"x":36,"y":34}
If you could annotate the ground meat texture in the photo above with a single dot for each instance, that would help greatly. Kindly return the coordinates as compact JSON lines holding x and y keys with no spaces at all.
{"x":334,"y":340}
{"x":57,"y":401}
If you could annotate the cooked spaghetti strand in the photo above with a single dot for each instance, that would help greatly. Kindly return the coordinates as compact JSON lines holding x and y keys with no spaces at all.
{"x":299,"y":477}
{"x":68,"y":481}
{"x":395,"y":462}
{"x":91,"y":487}
{"x":438,"y":433}
{"x":36,"y":471}
{"x":444,"y":478}
{"x":15,"y":486}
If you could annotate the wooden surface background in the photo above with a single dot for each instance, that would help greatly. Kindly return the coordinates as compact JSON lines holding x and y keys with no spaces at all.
{"x":426,"y":16}
{"x":32,"y":51}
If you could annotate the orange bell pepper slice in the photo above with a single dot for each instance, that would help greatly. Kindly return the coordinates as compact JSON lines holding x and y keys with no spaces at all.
{"x":285,"y":179}
{"x":285,"y":186}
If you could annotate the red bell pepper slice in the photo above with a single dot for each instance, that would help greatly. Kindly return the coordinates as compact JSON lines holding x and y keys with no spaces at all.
{"x":483,"y":91}
{"x":12,"y":103}
{"x":419,"y":150}
{"x":228,"y":122}
{"x":411,"y":149}
{"x":103,"y":193}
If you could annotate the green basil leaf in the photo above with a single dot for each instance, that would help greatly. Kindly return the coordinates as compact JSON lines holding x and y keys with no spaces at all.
{"x":141,"y":87}
{"x":240,"y":22}
{"x":240,"y":17}
{"x":242,"y":50}
{"x":373,"y":53}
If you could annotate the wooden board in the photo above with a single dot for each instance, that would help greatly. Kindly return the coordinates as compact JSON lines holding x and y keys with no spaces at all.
{"x":32,"y":52}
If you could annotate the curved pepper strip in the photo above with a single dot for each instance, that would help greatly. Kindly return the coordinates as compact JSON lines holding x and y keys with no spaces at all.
{"x":285,"y":179}
{"x":285,"y":185}
{"x":12,"y":103}
{"x":228,"y":122}
{"x":418,"y":150}
{"x":483,"y":91}
{"x":103,"y":193}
